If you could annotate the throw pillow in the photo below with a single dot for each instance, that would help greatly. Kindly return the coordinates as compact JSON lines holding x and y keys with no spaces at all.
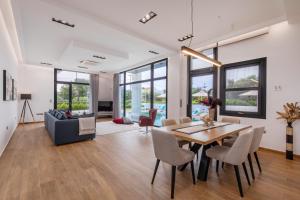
{"x":127,"y":121}
{"x":118,"y":120}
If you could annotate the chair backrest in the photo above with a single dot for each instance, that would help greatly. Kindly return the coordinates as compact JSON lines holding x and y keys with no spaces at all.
{"x":165,"y":145}
{"x":185,"y":120}
{"x":257,"y":136}
{"x":233,"y":120}
{"x":152,"y":114}
{"x":240,"y":148}
{"x":168,"y":122}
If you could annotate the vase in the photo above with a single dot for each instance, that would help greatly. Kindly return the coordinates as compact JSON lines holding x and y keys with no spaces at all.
{"x":211,"y":115}
{"x":289,"y":141}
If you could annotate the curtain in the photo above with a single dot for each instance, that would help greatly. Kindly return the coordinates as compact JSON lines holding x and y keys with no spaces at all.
{"x":94,"y":85}
{"x":116,"y":96}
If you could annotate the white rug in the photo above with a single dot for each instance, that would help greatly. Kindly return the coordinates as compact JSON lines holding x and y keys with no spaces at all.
{"x":103,"y":128}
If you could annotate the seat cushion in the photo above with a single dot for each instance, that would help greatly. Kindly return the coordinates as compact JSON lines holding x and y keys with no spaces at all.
{"x":185,"y":157}
{"x":217,"y":152}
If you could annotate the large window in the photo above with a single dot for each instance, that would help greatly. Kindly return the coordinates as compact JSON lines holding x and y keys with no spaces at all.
{"x":243,"y":89}
{"x":72,"y":91}
{"x":202,"y":78}
{"x":143,"y":88}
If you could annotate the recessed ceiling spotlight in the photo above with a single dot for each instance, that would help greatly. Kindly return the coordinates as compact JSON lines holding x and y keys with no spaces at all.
{"x":148,"y":17}
{"x":185,"y":38}
{"x":63,"y":22}
{"x":82,"y":67}
{"x":100,"y":57}
{"x":46,"y":63}
{"x":153,"y":52}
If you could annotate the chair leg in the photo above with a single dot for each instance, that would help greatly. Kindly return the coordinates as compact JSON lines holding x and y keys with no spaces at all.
{"x":193,"y":172}
{"x":190,"y":145}
{"x":222,"y":165}
{"x":155,"y":170}
{"x":251,"y":166}
{"x":256,"y":158}
{"x":246,"y":173}
{"x":217,"y":167}
{"x":147,"y":129}
{"x":173,"y":181}
{"x":238,"y":178}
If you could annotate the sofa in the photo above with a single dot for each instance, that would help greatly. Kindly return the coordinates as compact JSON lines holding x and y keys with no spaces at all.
{"x":64,"y":131}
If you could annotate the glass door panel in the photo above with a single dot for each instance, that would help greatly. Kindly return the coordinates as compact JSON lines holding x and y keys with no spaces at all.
{"x":200,"y":85}
{"x":80,"y":98}
{"x":160,"y":100}
{"x":137,"y":100}
{"x":63,"y":96}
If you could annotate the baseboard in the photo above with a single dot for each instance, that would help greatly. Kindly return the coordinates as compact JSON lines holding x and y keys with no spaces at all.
{"x":11,"y":134}
{"x":276,"y":151}
{"x":35,"y":122}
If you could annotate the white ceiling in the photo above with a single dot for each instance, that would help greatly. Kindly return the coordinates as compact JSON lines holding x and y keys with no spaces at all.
{"x":111,"y":28}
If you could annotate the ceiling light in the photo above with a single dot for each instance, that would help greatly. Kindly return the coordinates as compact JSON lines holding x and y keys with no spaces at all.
{"x":185,"y":38}
{"x":100,"y":57}
{"x":46,"y":63}
{"x":191,"y":52}
{"x":153,"y":52}
{"x":63,"y":22}
{"x":148,"y":17}
{"x":82,"y":67}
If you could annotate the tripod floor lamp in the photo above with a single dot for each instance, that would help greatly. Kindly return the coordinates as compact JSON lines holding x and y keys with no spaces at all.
{"x":25,"y":97}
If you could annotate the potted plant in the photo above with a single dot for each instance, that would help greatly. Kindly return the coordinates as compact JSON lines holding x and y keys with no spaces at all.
{"x":290,"y":114}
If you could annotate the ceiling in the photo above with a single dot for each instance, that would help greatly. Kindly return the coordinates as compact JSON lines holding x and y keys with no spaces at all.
{"x":110,"y":28}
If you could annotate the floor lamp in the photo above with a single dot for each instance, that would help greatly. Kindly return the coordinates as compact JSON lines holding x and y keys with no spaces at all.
{"x":25,"y":97}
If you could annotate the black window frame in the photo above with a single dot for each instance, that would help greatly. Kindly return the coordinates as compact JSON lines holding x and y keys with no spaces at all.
{"x":213,"y":70}
{"x":69,"y":83}
{"x":262,"y":63}
{"x":151,"y":80}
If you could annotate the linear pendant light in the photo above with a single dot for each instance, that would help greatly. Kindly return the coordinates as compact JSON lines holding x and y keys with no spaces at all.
{"x":188,"y":51}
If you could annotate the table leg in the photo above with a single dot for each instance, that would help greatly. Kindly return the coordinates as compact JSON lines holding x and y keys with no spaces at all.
{"x":204,"y":164}
{"x":195,"y":148}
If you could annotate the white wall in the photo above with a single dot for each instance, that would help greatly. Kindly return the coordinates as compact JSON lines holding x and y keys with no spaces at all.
{"x":38,"y":81}
{"x":281,"y":47}
{"x":105,"y":87}
{"x":8,"y":109}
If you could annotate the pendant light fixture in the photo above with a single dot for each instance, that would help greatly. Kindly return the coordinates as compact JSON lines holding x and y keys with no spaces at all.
{"x":188,"y":51}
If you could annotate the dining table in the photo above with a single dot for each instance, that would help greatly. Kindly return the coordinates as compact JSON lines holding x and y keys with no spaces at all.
{"x":202,"y":135}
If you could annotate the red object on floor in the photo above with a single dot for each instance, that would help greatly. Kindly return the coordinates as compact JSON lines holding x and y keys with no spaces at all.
{"x":118,"y":120}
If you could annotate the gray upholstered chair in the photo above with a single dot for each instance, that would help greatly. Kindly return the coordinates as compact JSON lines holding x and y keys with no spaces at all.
{"x":235,"y":155}
{"x":257,"y":136}
{"x":171,"y":122}
{"x":185,"y":120}
{"x":166,"y":149}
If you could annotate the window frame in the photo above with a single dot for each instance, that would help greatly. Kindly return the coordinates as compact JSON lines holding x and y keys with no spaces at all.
{"x":262,"y":76}
{"x":70,"y":83}
{"x":151,"y":80}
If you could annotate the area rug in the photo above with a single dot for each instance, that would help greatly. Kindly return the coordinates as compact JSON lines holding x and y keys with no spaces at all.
{"x":104,"y":128}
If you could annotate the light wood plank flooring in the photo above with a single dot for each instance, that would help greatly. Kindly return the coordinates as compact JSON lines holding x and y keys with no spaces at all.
{"x":120,"y":166}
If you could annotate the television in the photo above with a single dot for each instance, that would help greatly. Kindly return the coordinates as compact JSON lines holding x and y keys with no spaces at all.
{"x":105,"y":106}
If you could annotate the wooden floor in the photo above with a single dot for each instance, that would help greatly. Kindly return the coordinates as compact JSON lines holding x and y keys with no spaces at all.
{"x":120,"y":166}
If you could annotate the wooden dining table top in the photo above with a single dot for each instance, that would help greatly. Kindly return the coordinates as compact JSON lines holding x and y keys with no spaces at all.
{"x":206,"y":136}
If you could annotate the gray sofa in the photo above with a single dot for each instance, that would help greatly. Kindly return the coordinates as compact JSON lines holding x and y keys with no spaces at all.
{"x":64,"y":131}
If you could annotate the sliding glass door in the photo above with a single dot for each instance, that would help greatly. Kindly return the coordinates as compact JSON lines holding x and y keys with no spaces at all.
{"x":144,"y":88}
{"x":202,"y":79}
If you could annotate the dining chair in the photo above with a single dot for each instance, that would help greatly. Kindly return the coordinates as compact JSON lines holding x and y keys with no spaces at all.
{"x":185,"y":120}
{"x":166,"y":149}
{"x":229,"y":140}
{"x":257,"y":136}
{"x":171,"y":122}
{"x":235,"y":155}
